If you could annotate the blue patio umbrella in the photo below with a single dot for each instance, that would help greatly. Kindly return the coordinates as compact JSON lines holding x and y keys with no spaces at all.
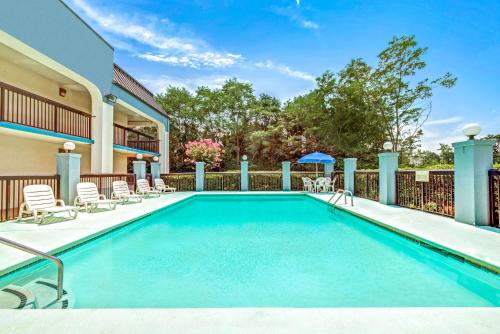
{"x":316,"y":158}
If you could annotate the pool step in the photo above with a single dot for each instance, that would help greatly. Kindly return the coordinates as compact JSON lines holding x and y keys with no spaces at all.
{"x":40,"y":293}
{"x":15,"y":297}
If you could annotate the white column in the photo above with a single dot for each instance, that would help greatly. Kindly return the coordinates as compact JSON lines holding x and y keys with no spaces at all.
{"x":200,"y":176}
{"x":102,"y":134}
{"x":350,"y":165}
{"x":473,"y":159}
{"x":387,"y":167}
{"x":68,"y":169}
{"x":164,"y":137}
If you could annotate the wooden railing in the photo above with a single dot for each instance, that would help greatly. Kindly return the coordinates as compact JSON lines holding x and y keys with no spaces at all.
{"x":366,"y":184}
{"x":11,"y":192}
{"x":338,"y":176}
{"x":228,"y":181}
{"x":104,"y":182}
{"x":25,"y":108}
{"x":435,"y":196}
{"x":127,"y":137}
{"x":494,"y":182}
{"x":180,"y":181}
{"x":264,"y":181}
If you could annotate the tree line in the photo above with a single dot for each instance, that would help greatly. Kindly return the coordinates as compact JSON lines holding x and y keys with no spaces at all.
{"x":350,"y":113}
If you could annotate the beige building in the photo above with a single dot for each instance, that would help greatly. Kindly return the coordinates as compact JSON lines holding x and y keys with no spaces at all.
{"x":57,"y":87}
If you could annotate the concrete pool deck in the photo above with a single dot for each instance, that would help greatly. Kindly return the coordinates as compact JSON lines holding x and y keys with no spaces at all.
{"x":473,"y":242}
{"x":253,"y":320}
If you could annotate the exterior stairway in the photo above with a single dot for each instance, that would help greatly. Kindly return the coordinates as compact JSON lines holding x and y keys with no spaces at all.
{"x":37,"y":294}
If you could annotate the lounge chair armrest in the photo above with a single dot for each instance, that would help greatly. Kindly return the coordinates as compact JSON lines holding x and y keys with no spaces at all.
{"x":61,"y":202}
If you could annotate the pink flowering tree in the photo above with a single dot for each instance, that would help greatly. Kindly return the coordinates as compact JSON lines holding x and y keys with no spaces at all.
{"x":205,"y":150}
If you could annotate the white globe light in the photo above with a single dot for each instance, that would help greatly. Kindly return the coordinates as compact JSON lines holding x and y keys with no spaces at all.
{"x":138,"y":156}
{"x":69,"y":146}
{"x":387,"y":146}
{"x":155,"y":159}
{"x":471,"y":130}
{"x":244,"y":158}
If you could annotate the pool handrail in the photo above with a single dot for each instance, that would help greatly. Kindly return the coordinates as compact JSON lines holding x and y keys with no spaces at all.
{"x":57,"y":261}
{"x":343,"y":193}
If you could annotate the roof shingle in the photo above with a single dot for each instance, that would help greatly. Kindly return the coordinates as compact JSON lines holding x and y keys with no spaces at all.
{"x":127,"y":82}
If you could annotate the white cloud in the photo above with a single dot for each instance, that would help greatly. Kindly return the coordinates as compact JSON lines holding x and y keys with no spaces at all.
{"x":449,"y":120}
{"x":172,"y":50}
{"x":283,"y":69}
{"x":298,"y":2}
{"x":293,"y":14}
{"x":161,"y":83}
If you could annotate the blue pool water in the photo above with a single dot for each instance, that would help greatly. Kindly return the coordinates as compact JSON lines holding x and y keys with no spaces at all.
{"x":265,"y":251}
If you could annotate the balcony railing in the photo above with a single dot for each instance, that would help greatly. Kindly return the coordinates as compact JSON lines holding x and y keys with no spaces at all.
{"x":25,"y":108}
{"x":124,"y":136}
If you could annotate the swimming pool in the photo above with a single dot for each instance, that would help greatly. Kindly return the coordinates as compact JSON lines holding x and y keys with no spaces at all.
{"x":263,"y":251}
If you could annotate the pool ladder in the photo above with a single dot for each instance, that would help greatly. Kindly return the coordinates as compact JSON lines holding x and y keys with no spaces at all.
{"x":342,"y":193}
{"x":57,"y":261}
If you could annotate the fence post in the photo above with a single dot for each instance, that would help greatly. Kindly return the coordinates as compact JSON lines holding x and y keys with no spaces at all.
{"x":200,"y":176}
{"x":387,"y":166}
{"x":244,"y":176}
{"x":155,"y":171}
{"x":68,"y":169}
{"x":139,"y":169}
{"x":329,"y":169}
{"x":285,"y":175}
{"x":350,"y":165}
{"x":473,"y":159}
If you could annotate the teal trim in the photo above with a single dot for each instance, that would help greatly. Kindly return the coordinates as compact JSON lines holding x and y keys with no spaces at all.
{"x":135,"y":150}
{"x":123,"y":95}
{"x":37,"y":131}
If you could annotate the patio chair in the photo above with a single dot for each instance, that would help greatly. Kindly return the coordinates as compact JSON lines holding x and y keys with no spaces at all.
{"x":40,"y":202}
{"x":162,"y":187}
{"x":89,"y":197}
{"x":308,"y":184}
{"x":122,"y":193}
{"x":143,"y":188}
{"x":320,"y":184}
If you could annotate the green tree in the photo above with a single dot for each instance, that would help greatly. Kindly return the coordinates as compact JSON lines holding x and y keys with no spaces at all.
{"x":446,"y":155}
{"x":496,"y":149}
{"x":403,"y":100}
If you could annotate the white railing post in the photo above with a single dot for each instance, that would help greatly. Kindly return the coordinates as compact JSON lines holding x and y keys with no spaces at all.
{"x":244,"y":176}
{"x":473,"y":158}
{"x":200,"y":176}
{"x":388,"y":165}
{"x":350,"y":165}
{"x":68,"y":169}
{"x":285,"y":176}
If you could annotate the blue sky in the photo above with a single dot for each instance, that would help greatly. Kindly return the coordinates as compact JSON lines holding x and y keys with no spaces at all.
{"x":281,"y":46}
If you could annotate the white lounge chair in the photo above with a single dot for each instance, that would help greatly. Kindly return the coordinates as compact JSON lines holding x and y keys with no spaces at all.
{"x":122,"y":193}
{"x":89,"y":197}
{"x":39,"y":200}
{"x":143,"y":188}
{"x":162,"y":187}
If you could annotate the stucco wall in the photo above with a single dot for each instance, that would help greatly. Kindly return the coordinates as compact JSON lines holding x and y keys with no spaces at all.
{"x":50,"y":27}
{"x":33,"y":82}
{"x":119,"y":163}
{"x":26,"y":156}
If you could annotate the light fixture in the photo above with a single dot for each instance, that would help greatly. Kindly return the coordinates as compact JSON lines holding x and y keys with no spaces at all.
{"x":244,"y":157}
{"x":155,"y":159}
{"x":471,"y":130}
{"x":69,"y":146}
{"x":62,"y":92}
{"x":111,"y":98}
{"x":387,"y":146}
{"x":139,"y":156}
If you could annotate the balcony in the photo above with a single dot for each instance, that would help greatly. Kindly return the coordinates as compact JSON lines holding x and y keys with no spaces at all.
{"x":131,"y":138}
{"x":24,"y":108}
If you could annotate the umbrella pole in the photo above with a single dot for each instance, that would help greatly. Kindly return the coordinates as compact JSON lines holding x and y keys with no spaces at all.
{"x":316,"y":170}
